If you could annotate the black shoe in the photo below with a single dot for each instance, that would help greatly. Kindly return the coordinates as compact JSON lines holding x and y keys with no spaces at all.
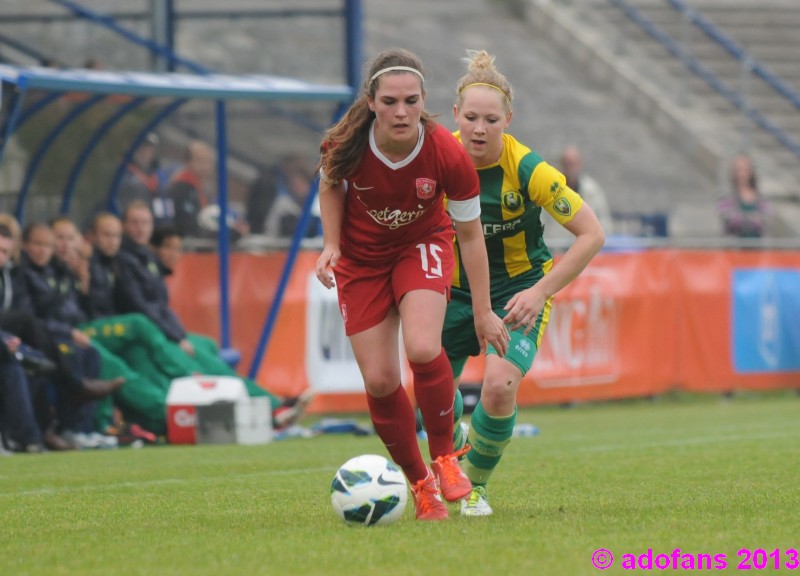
{"x":34,"y":362}
{"x":95,"y":389}
{"x":55,"y":442}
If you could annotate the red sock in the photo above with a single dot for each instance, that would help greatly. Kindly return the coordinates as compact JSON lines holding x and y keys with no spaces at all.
{"x":435,"y":393}
{"x":395,"y":423}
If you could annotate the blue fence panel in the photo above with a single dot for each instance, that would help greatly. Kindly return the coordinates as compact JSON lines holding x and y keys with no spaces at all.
{"x":766,"y":320}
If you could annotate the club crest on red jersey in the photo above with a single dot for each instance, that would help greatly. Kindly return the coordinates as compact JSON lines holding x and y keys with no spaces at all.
{"x":426,"y":188}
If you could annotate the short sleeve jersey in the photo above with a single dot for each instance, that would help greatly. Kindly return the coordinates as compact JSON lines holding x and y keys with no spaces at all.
{"x":390,"y":205}
{"x":514,"y":191}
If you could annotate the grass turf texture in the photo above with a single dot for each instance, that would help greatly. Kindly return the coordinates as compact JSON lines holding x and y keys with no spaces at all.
{"x":703,"y":474}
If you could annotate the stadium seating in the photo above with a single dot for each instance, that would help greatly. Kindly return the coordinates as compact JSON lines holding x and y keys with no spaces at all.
{"x":552,"y":51}
{"x":699,"y":116}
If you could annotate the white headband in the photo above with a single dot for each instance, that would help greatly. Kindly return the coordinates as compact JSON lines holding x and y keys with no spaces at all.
{"x":397,"y":69}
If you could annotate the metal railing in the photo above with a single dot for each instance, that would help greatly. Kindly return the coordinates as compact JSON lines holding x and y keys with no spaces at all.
{"x":738,"y":52}
{"x":736,"y":98}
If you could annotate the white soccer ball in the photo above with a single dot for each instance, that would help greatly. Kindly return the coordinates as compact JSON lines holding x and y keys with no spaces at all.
{"x":369,"y":490}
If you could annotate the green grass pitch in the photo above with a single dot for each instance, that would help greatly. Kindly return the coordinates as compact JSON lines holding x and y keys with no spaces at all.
{"x":703,"y":474}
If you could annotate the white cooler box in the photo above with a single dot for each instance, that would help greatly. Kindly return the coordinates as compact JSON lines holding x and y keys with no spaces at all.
{"x":216,"y":410}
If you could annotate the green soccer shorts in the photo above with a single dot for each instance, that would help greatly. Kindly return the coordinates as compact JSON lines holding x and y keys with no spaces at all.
{"x":461,"y":342}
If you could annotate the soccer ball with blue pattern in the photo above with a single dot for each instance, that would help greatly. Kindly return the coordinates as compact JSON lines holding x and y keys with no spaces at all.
{"x":369,"y":490}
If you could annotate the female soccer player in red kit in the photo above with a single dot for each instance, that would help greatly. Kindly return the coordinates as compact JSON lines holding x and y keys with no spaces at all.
{"x":384,"y":170}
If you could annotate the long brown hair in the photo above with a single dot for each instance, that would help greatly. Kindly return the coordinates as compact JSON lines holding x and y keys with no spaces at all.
{"x":343,"y":143}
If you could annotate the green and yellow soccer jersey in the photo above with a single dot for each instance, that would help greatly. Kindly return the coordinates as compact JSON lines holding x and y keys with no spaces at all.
{"x":513,"y":193}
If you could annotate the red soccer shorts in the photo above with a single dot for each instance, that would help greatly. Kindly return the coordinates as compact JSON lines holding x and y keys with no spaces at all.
{"x":367,"y":291}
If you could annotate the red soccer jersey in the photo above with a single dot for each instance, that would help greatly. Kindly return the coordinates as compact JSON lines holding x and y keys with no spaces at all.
{"x":390,"y":205}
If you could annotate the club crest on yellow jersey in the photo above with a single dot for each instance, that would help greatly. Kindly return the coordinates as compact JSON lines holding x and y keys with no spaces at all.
{"x":512,"y":201}
{"x":562,"y":206}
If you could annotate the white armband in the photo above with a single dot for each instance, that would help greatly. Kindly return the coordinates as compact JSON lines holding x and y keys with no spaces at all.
{"x":464,"y":210}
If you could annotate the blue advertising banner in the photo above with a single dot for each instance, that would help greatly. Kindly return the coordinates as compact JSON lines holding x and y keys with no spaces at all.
{"x":766,"y":320}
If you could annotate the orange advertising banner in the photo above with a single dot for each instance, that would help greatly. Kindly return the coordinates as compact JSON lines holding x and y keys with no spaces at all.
{"x":634,"y":324}
{"x":611,"y":334}
{"x":739,"y":320}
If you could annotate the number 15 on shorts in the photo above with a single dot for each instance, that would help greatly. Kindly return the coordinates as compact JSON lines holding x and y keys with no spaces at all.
{"x":431,"y":261}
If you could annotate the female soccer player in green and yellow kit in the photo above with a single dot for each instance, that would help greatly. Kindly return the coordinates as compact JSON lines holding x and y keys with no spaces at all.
{"x":516,"y":184}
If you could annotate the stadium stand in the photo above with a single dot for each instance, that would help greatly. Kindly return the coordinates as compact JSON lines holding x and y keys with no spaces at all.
{"x":654,"y":155}
{"x":667,"y":163}
{"x":559,"y":101}
{"x":742,"y":93}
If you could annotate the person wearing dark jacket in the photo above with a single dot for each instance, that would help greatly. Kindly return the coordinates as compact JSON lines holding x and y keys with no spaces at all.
{"x":19,"y":429}
{"x":188,"y":188}
{"x":47,"y":289}
{"x":132,"y":337}
{"x":44,"y":365}
{"x":100,"y":300}
{"x":143,"y":289}
{"x":142,"y":286}
{"x":140,"y":182}
{"x":142,"y":400}
{"x":275,"y":201}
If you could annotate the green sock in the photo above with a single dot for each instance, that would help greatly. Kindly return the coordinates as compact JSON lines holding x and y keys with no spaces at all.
{"x":458,"y":412}
{"x":488,"y":436}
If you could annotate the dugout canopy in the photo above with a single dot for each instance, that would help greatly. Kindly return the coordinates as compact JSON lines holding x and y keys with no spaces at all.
{"x":68,"y":134}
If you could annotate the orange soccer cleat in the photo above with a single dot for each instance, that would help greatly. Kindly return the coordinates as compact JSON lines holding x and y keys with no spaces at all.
{"x":427,"y":501}
{"x":452,"y":480}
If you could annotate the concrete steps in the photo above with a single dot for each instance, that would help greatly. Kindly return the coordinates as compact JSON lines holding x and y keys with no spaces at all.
{"x":682,"y":106}
{"x":582,"y":74}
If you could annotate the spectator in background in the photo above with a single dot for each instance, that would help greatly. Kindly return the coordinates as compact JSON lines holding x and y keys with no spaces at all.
{"x":18,"y":425}
{"x":16,"y":236}
{"x":45,"y":364}
{"x":104,"y":236}
{"x":189,"y":188}
{"x":167,"y":244}
{"x":9,"y":258}
{"x":571,"y":164}
{"x":141,"y":282}
{"x":140,"y":182}
{"x":743,"y":210}
{"x":19,"y":430}
{"x":275,"y":201}
{"x":142,"y":399}
{"x":143,"y":289}
{"x":190,"y":191}
{"x":51,"y":289}
{"x":72,"y":251}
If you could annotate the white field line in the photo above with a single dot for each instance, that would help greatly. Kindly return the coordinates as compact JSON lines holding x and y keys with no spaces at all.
{"x":51,"y":490}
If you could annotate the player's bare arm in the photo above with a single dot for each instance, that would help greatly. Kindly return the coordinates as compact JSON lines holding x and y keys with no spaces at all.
{"x":524,"y":307}
{"x":331,"y":201}
{"x":488,"y":326}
